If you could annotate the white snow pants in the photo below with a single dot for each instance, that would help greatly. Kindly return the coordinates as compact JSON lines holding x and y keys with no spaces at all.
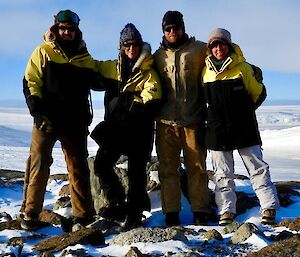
{"x":258,"y":170}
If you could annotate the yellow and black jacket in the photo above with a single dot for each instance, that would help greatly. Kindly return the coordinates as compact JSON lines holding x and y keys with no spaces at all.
{"x":58,"y":86}
{"x":130,"y":104}
{"x":232,"y":94}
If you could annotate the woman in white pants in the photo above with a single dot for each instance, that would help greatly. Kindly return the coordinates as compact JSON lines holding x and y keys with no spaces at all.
{"x":232,"y":94}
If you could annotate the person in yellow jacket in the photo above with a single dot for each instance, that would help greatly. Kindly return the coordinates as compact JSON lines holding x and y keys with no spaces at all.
{"x":232,"y":94}
{"x":128,"y":128}
{"x":56,"y":86}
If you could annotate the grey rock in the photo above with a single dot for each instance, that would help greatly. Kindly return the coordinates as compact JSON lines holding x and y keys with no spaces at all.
{"x":134,"y":252}
{"x":4,"y":216}
{"x":11,"y":175}
{"x":64,"y":191}
{"x":63,"y":177}
{"x":283,"y":235}
{"x":232,"y":227}
{"x":285,"y":248}
{"x":120,"y":169}
{"x":152,"y":235}
{"x":213,"y":234}
{"x":62,"y":202}
{"x":98,"y":197}
{"x":82,"y":236}
{"x":78,"y":252}
{"x":244,"y":232}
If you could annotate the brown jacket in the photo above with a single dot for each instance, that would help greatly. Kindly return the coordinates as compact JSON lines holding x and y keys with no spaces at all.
{"x":180,"y":72}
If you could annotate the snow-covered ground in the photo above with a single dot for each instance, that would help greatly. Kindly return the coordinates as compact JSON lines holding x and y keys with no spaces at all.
{"x":279,"y":126}
{"x":280,"y":132}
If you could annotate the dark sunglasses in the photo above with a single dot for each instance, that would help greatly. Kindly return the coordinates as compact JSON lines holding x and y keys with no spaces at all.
{"x":64,"y":28}
{"x":135,"y":44}
{"x":67,"y":16}
{"x":215,"y":43}
{"x":174,"y":27}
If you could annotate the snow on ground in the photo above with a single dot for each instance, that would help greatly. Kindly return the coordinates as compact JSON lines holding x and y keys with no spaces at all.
{"x":280,"y":131}
{"x":279,"y":125}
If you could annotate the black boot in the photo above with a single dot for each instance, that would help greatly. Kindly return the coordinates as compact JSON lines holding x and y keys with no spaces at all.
{"x":200,"y":218}
{"x":133,"y":220}
{"x":115,"y":211}
{"x":172,"y":219}
{"x":75,"y":223}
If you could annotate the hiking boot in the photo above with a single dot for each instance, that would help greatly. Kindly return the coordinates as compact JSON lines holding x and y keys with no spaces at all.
{"x":76,"y":223}
{"x":30,"y":223}
{"x":200,"y":218}
{"x":226,"y":218}
{"x":172,"y":219}
{"x":113,"y":212}
{"x":133,"y":221}
{"x":268,"y":217}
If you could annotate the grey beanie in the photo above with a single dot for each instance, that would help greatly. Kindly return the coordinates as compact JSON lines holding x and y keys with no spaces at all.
{"x":130,"y":34}
{"x":221,"y":35}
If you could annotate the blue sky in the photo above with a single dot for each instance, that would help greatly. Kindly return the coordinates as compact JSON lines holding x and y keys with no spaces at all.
{"x":266,"y":30}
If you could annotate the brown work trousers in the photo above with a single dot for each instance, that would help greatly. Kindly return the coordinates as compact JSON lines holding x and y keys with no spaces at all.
{"x":170,"y":140}
{"x":74,"y":147}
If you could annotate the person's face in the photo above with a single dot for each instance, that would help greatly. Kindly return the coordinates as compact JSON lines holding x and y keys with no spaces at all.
{"x":66,"y":30}
{"x":219,"y":50}
{"x":131,"y":50}
{"x":173,"y":33}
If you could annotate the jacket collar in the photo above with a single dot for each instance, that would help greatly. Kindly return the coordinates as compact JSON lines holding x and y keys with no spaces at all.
{"x":235,"y":58}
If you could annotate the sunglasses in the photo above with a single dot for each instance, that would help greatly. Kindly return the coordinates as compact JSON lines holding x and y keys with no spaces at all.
{"x":64,"y":28}
{"x":215,"y":43}
{"x":128,"y":45}
{"x":174,"y":27}
{"x":67,"y":16}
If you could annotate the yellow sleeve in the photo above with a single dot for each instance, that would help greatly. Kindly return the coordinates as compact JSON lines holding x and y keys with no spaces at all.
{"x":152,"y":87}
{"x":252,"y":86}
{"x":107,"y":69}
{"x":34,"y":71}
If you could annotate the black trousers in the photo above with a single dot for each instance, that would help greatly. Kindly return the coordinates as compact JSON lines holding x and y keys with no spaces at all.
{"x":137,"y":198}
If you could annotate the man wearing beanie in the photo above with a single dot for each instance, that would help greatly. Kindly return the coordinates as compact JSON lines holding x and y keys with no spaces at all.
{"x":180,"y":123}
{"x":232,"y":94}
{"x":56,"y":86}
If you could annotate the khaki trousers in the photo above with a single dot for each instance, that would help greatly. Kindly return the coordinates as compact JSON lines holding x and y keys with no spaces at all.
{"x":74,"y":147}
{"x":170,"y":140}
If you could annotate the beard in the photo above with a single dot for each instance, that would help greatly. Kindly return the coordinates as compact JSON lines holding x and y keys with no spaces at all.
{"x":70,"y":47}
{"x":66,"y":43}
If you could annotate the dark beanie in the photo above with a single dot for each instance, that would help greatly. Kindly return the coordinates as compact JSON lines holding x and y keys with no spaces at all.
{"x":172,"y":18}
{"x":130,"y":34}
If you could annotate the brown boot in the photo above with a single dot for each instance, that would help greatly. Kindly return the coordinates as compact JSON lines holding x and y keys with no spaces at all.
{"x":268,"y":217}
{"x":226,"y":218}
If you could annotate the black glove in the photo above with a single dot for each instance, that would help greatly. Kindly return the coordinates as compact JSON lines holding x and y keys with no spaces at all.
{"x":257,"y":73}
{"x":136,"y":109}
{"x":34,"y":104}
{"x":42,"y":123}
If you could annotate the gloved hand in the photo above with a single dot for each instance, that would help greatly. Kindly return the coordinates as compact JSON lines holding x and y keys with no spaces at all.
{"x":136,"y":108}
{"x":257,"y":73}
{"x":42,"y":123}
